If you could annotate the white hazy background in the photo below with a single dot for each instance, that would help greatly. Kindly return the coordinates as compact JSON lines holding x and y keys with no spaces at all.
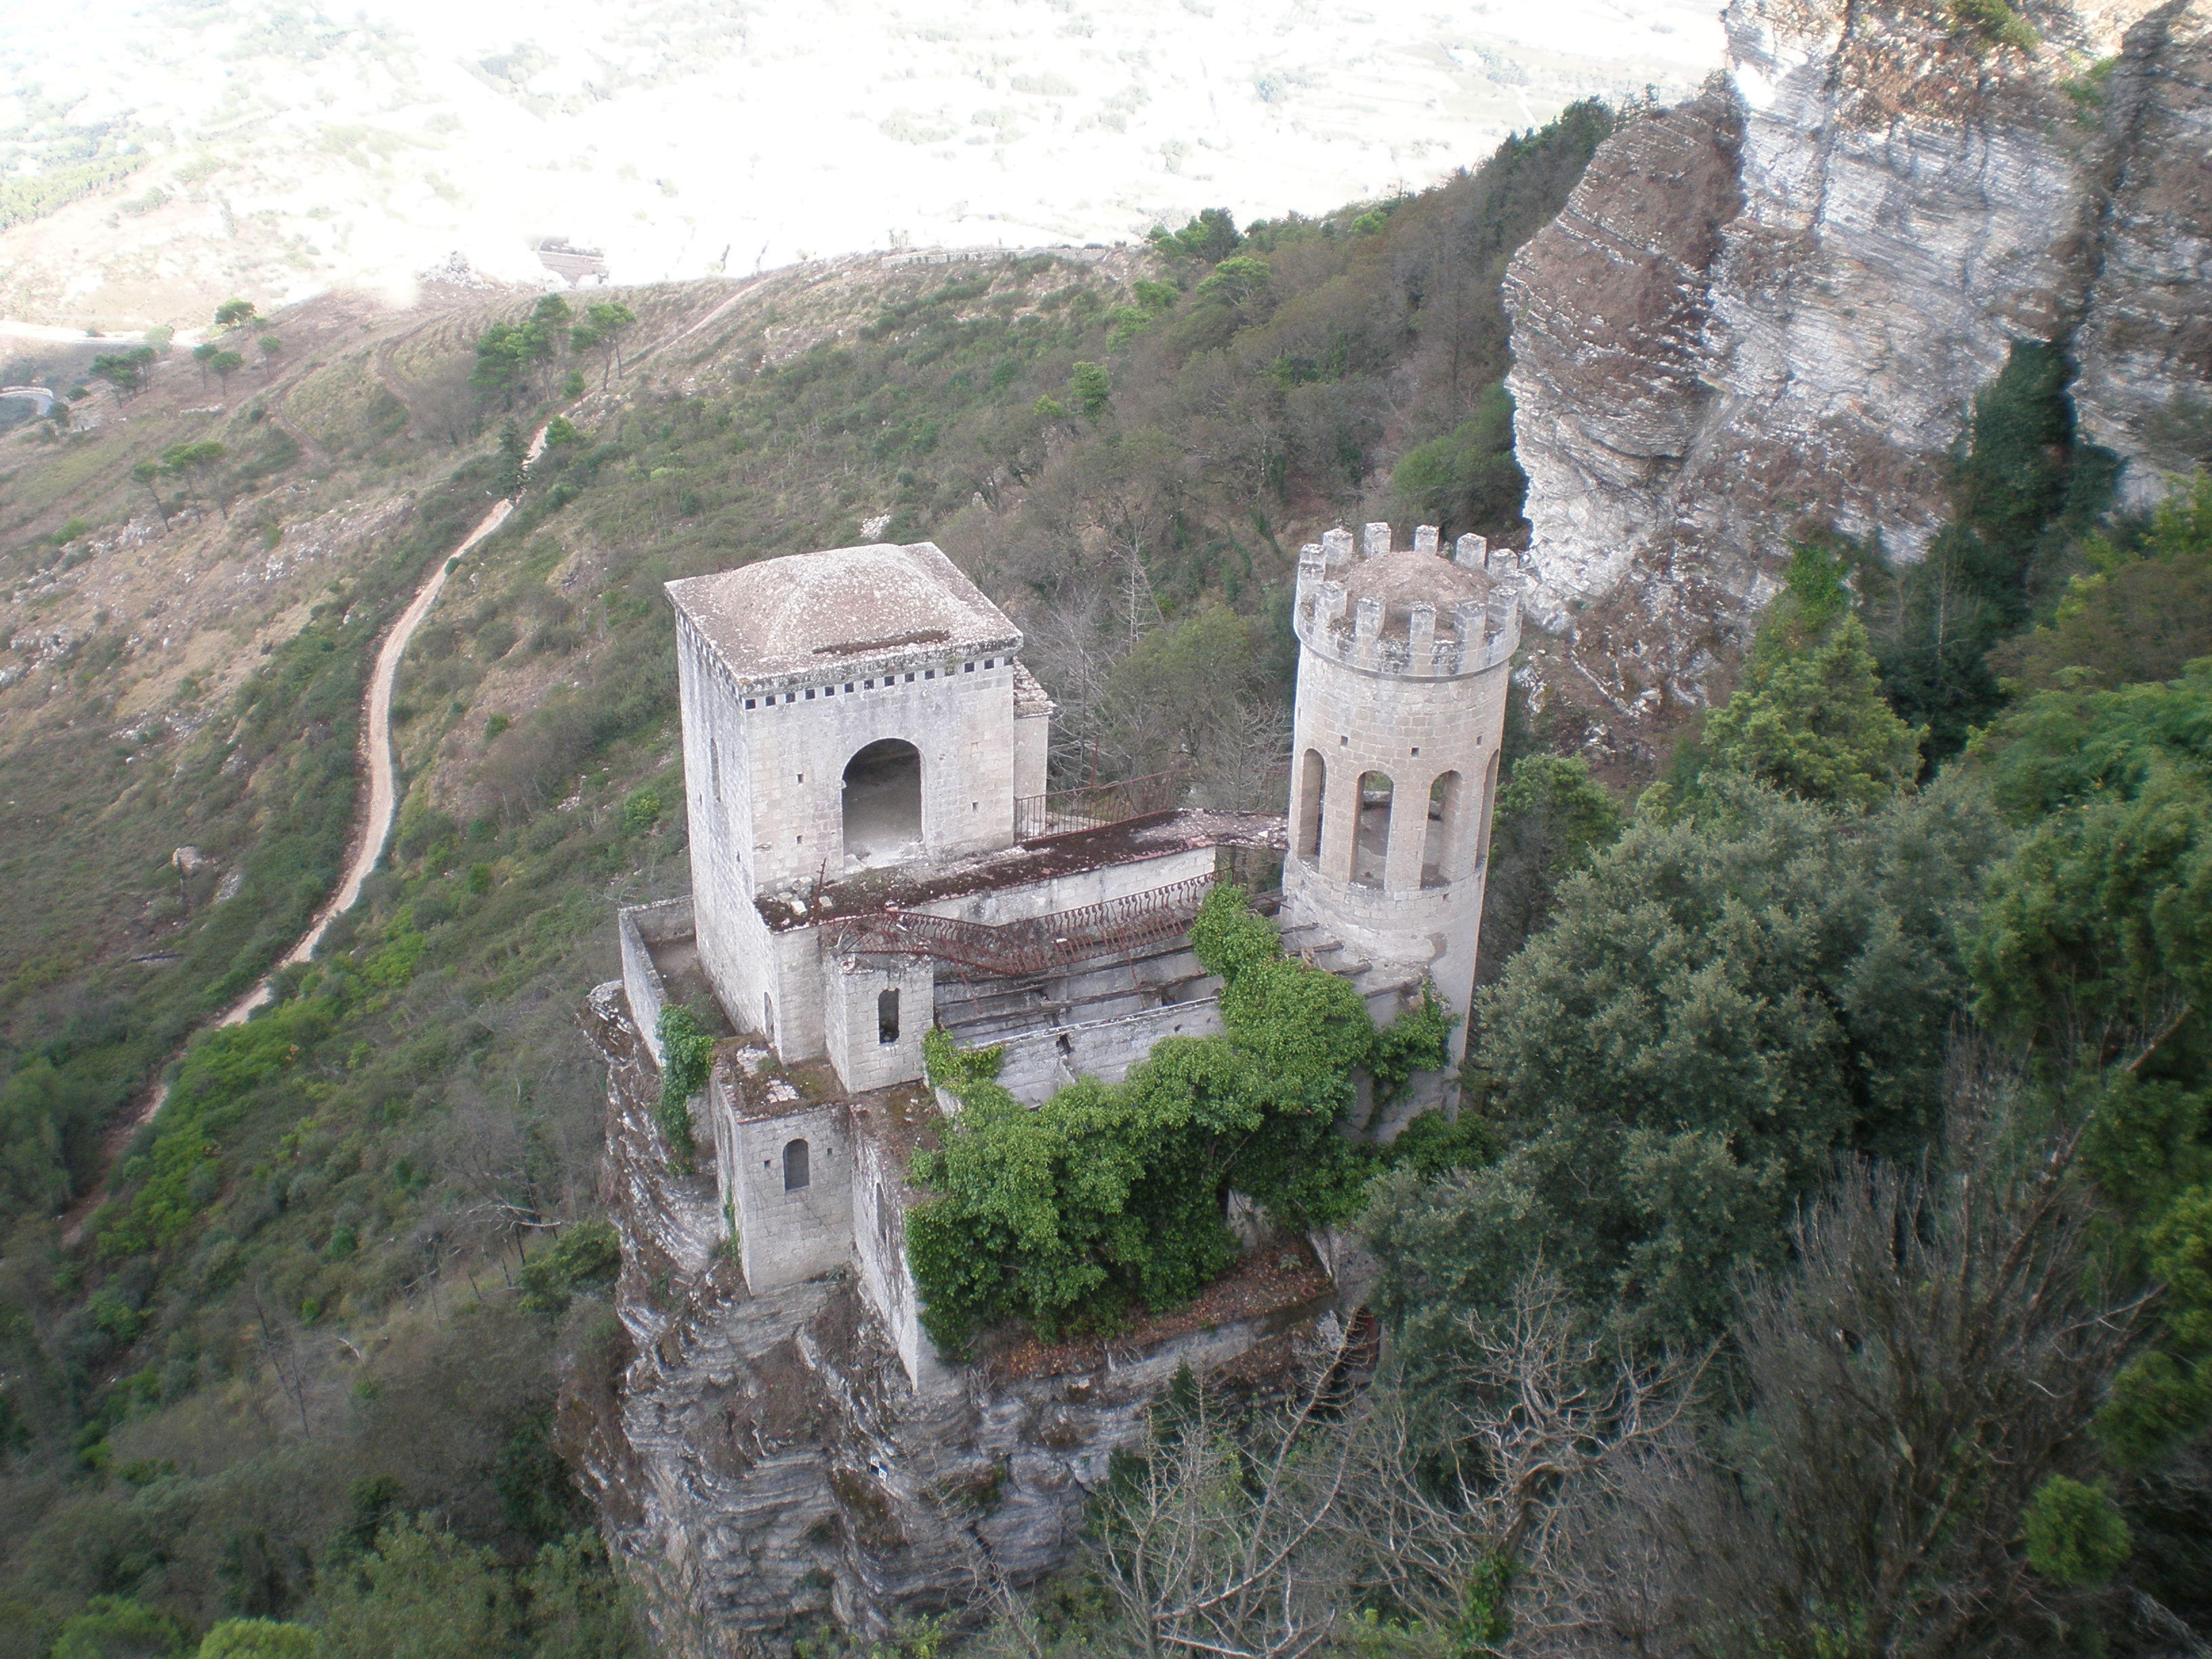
{"x":296,"y":148}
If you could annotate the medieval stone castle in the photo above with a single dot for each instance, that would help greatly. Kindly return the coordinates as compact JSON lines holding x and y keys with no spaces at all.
{"x":876,"y":849}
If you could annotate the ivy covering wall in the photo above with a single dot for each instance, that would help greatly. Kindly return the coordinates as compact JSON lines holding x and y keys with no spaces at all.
{"x":1070,"y":1214}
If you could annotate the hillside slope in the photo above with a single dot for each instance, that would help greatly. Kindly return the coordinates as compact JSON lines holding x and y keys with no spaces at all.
{"x":347,"y":1203}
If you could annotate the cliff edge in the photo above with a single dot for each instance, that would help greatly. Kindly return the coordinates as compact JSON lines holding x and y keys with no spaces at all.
{"x":1776,"y":303}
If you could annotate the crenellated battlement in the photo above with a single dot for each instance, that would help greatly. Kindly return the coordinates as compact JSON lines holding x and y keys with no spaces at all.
{"x":1381,"y":613}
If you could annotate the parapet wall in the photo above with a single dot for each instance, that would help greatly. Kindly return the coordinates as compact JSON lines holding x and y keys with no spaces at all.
{"x":639,"y":927}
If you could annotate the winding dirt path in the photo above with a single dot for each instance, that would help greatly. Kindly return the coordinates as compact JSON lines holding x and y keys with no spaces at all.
{"x":376,"y":742}
{"x":373,"y":831}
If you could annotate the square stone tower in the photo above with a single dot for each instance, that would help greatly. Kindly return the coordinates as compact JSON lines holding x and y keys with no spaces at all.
{"x":854,"y":710}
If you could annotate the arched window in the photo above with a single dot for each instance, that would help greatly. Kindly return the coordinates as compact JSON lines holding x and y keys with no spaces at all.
{"x":1439,"y":857}
{"x":887,"y":1025}
{"x":794,"y":1165}
{"x":883,"y":803}
{"x":1489,"y":806}
{"x":1313,"y":783}
{"x":1372,"y":846}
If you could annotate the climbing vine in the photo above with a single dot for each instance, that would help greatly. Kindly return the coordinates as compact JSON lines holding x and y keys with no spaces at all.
{"x":1109,"y":1195}
{"x":689,"y":1056}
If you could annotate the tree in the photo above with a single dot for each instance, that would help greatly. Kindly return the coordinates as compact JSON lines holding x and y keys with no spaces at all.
{"x":1720,"y":1004}
{"x":1551,"y":819}
{"x":1467,"y":480}
{"x":271,"y":346}
{"x":1914,"y":1390}
{"x":2140,"y":612}
{"x":1811,"y":719}
{"x":2095,"y":942}
{"x":149,"y":474}
{"x":226,"y":364}
{"x":1212,"y":236}
{"x":577,"y":1608}
{"x":117,"y":1628}
{"x":194,"y":463}
{"x":126,"y":371}
{"x":608,"y":320}
{"x":2022,"y":485}
{"x":259,"y":1638}
{"x":233,"y":313}
{"x":513,"y":459}
{"x":202,"y":355}
{"x":1093,"y":391}
{"x":419,"y":1591}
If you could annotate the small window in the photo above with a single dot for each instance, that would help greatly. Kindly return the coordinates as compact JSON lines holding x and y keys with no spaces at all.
{"x":887,"y":1027}
{"x":848,"y":687}
{"x":967,"y":667}
{"x":749,"y":702}
{"x":810,"y":693}
{"x":931,"y":675}
{"x":795,"y":1174}
{"x":768,"y":1017}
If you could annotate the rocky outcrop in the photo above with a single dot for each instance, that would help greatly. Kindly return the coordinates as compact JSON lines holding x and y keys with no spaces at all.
{"x":1776,"y":303}
{"x":760,"y":1462}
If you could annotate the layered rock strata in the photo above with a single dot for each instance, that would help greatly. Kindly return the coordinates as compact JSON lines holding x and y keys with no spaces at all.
{"x":1775,"y":304}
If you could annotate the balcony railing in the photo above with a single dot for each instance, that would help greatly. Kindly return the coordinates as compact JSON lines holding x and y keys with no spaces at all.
{"x":1095,"y":806}
{"x":1133,"y":923}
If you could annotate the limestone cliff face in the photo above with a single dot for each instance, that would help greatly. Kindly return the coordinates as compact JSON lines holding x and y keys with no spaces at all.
{"x":760,"y":1462}
{"x":1776,"y":302}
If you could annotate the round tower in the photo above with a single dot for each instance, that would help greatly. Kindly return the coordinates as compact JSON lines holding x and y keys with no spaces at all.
{"x":1402,"y":664}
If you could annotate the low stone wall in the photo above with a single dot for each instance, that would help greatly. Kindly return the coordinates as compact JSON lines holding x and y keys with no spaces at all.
{"x":880,"y":1198}
{"x":641,"y":927}
{"x":1037,"y":1066}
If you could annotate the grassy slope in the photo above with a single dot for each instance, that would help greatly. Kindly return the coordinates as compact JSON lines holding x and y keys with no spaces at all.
{"x":281,"y":1305}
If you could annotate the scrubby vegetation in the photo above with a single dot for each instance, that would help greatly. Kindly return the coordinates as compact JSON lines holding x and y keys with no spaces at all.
{"x":1817,"y":1264}
{"x":1111,"y":1195}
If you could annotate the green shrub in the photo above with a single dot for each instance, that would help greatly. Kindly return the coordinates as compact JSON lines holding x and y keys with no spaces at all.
{"x":1109,"y":1195}
{"x":688,"y":1057}
{"x":1995,"y":23}
{"x":2076,"y":1535}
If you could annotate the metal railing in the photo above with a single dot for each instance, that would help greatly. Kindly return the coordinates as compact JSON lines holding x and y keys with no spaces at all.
{"x":1095,"y":806}
{"x":1035,"y":944}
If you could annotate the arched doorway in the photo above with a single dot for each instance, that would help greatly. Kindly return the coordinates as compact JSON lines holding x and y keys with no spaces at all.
{"x":1439,"y":854}
{"x":883,"y":803}
{"x":1313,"y":784}
{"x":1371,"y":849}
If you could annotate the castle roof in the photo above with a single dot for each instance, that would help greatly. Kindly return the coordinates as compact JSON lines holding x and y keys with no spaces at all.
{"x":809,"y":613}
{"x":1405,"y":578}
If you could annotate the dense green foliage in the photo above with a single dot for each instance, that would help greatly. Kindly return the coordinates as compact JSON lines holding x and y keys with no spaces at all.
{"x":1107,"y":1194}
{"x":1720,"y":1004}
{"x":2023,"y":489}
{"x":1551,"y":819}
{"x":1809,"y":719}
{"x":2141,"y":612}
{"x":687,"y":1057}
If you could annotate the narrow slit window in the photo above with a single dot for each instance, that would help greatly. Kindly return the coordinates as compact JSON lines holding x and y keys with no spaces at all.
{"x":887,"y":1023}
